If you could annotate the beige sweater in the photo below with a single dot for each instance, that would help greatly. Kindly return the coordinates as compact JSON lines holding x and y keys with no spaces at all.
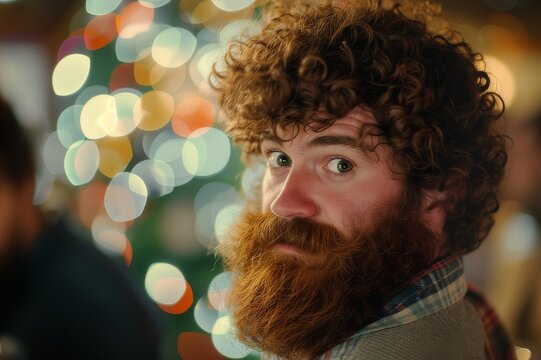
{"x":452,"y":333}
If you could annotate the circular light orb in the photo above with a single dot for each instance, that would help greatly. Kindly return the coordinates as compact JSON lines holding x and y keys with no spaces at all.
{"x":99,"y":116}
{"x":208,"y":203}
{"x":173,"y":47}
{"x":126,"y":197}
{"x":170,"y":152}
{"x":100,"y":7}
{"x":502,"y":79}
{"x":53,"y":154}
{"x":239,"y":29}
{"x":100,"y":31}
{"x":225,"y":219}
{"x":154,"y":3}
{"x":126,"y":49}
{"x":231,"y":6}
{"x":157,"y":175}
{"x":115,"y":155}
{"x":153,"y":110}
{"x":203,"y":12}
{"x":206,"y":152}
{"x":165,"y":283}
{"x":125,"y":100}
{"x":192,"y":114}
{"x":73,"y":44}
{"x":109,"y":236}
{"x":204,"y":315}
{"x":202,"y":63}
{"x":134,"y":19}
{"x":81,"y":162}
{"x":122,"y":77}
{"x":225,"y":341}
{"x":68,"y":126}
{"x":70,"y":74}
{"x":217,"y":291}
{"x":89,"y":92}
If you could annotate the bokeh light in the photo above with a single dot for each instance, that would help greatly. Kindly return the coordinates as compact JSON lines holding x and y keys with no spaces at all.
{"x":157,"y":175}
{"x":115,"y":155}
{"x":111,"y":238}
{"x":138,"y":128}
{"x":99,"y":116}
{"x":154,"y":3}
{"x":125,"y":100}
{"x":206,"y":151}
{"x":68,"y":126}
{"x":81,"y":161}
{"x":170,"y":152}
{"x":173,"y":47}
{"x":239,"y":29}
{"x":182,"y":305}
{"x":70,"y":74}
{"x":218,"y":289}
{"x":192,"y":114}
{"x":165,"y":283}
{"x":134,"y":19}
{"x":209,"y":201}
{"x":90,"y":202}
{"x":228,"y":5}
{"x":122,"y":77}
{"x":100,"y":7}
{"x":205,"y":316}
{"x":153,"y":110}
{"x":126,"y":197}
{"x":53,"y":154}
{"x":223,"y":338}
{"x":502,"y":79}
{"x":73,"y":44}
{"x":225,"y":219}
{"x":100,"y":31}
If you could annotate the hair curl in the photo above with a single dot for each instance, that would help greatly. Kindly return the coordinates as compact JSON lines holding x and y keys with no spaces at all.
{"x":431,"y":103}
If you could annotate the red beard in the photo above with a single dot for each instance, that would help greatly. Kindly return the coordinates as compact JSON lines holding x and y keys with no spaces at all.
{"x":298,"y":307}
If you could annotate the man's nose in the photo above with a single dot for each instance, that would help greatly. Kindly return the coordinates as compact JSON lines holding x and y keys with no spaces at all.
{"x":295,"y":199}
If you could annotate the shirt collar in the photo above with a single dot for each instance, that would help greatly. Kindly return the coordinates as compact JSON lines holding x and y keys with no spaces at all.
{"x":438,"y":287}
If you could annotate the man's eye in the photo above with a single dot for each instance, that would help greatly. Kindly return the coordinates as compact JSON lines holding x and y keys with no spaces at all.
{"x":340,"y":166}
{"x":279,"y":159}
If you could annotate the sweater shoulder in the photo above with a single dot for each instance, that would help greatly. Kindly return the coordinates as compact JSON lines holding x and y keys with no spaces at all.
{"x":455,"y":332}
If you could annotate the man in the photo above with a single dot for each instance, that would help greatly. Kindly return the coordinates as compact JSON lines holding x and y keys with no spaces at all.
{"x":382,"y":161}
{"x":60,"y":297}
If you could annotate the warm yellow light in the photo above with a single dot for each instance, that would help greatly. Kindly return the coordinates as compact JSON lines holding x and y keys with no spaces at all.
{"x":502,"y":79}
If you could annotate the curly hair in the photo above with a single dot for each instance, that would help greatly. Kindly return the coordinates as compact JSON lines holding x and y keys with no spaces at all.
{"x":402,"y":62}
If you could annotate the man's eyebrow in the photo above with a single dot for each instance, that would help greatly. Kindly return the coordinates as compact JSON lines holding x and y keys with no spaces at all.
{"x":329,"y":140}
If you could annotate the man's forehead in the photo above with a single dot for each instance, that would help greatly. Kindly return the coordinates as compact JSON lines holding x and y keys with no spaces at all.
{"x":350,"y":124}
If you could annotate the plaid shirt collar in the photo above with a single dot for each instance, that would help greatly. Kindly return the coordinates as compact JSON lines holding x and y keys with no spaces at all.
{"x":438,"y":287}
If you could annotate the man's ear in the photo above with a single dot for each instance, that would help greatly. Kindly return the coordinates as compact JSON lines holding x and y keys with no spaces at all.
{"x":433,"y":210}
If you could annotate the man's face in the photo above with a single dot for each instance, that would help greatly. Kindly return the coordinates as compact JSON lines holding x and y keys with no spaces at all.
{"x":325,"y":177}
{"x":332,"y":243}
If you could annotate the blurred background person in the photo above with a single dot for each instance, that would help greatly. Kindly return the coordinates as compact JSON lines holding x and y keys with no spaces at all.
{"x":61,"y":298}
